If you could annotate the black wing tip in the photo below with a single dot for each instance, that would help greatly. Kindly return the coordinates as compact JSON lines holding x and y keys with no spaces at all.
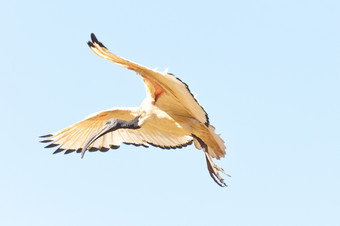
{"x":79,"y":150}
{"x":114,"y":147}
{"x":136,"y":145}
{"x":90,"y":44}
{"x":46,"y":141}
{"x":68,"y":151}
{"x":45,"y":136}
{"x":101,"y":45}
{"x":172,"y":147}
{"x":103,"y":149}
{"x":92,"y":149}
{"x":95,"y":40}
{"x":58,"y":150}
{"x":52,"y":145}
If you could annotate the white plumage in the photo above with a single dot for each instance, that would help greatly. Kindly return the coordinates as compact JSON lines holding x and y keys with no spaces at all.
{"x":169,"y":117}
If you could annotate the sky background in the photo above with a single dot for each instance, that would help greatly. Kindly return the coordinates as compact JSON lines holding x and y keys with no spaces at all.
{"x":267,"y":72}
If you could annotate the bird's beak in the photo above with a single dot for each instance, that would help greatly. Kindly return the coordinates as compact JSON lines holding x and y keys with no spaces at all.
{"x":111,"y":125}
{"x":108,"y":127}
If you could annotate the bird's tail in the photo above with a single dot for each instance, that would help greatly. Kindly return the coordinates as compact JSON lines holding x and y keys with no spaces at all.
{"x":215,"y":144}
{"x":212,"y":167}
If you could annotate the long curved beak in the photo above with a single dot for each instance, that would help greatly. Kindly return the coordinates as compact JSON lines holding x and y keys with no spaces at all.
{"x":111,"y":125}
{"x":108,"y":127}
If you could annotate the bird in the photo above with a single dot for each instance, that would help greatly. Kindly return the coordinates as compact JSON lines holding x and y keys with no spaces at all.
{"x":169,"y":117}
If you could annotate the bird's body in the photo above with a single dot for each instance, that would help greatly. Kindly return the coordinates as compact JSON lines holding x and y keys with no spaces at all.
{"x":169,"y":117}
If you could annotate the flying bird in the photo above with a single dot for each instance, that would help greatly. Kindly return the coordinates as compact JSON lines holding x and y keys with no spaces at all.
{"x":169,"y":117}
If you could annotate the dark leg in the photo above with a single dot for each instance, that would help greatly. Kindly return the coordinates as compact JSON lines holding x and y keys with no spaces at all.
{"x":212,"y":167}
{"x":111,"y":125}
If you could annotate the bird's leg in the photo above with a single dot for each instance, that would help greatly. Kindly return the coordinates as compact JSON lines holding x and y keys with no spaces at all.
{"x":111,"y":125}
{"x":212,"y":167}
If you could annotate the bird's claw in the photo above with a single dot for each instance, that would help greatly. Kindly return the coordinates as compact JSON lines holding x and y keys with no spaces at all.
{"x":216,"y":169}
{"x":221,"y":170}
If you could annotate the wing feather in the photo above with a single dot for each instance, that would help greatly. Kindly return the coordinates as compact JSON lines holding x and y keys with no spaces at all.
{"x":116,"y":138}
{"x":74,"y":137}
{"x":177,"y":91}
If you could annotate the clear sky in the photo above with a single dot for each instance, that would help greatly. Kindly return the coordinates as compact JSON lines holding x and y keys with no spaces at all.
{"x":267,"y":72}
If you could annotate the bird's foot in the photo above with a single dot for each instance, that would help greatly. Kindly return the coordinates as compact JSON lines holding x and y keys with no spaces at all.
{"x":221,"y":170}
{"x":214,"y":171}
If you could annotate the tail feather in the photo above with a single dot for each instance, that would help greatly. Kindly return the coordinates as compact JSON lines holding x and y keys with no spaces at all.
{"x":216,"y":147}
{"x":219,"y":149}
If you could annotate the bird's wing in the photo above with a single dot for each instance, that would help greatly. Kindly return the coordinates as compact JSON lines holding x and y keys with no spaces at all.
{"x":74,"y":137}
{"x":174,"y":95}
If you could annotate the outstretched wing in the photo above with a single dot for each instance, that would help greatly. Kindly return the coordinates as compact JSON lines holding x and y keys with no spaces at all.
{"x":74,"y":137}
{"x":168,"y":91}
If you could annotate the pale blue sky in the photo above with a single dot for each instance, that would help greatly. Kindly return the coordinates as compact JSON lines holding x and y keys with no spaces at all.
{"x":267,"y":73}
